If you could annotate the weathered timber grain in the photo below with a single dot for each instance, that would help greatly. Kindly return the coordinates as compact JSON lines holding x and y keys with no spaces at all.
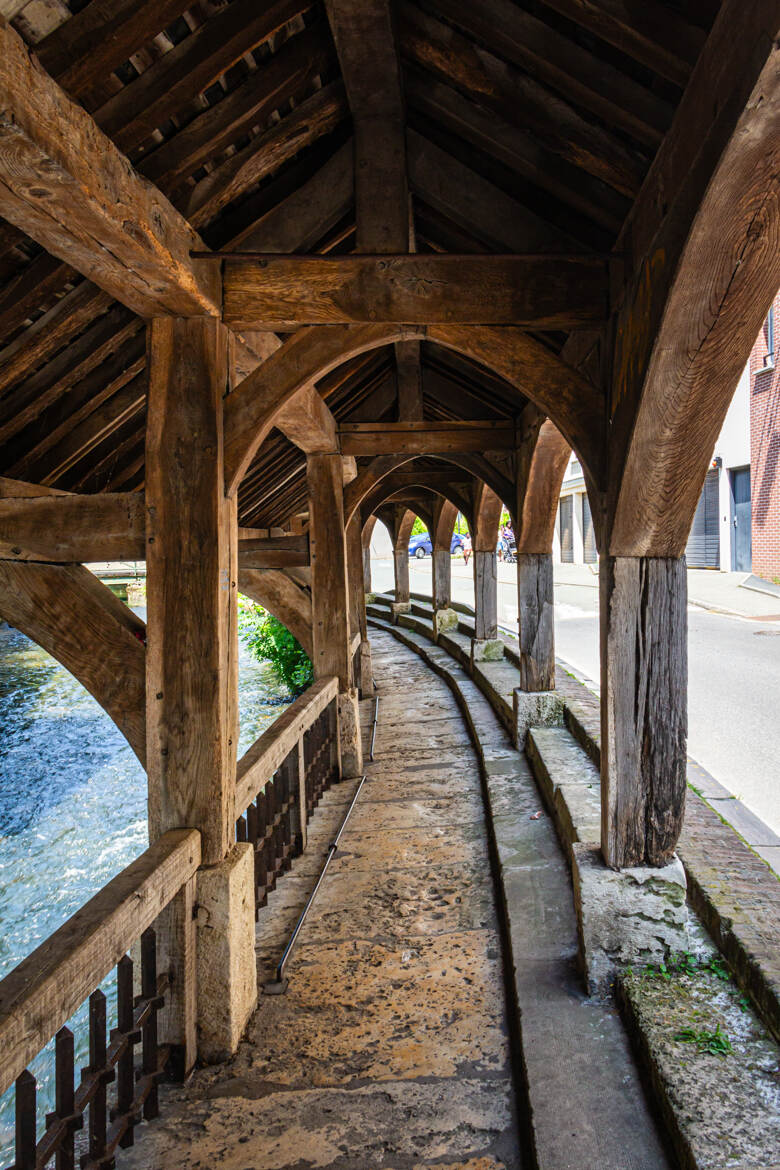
{"x":537,"y":292}
{"x":485,"y":594}
{"x":70,"y":528}
{"x":535,"y":621}
{"x":191,"y":587}
{"x":44,"y":990}
{"x":644,"y":718}
{"x":65,"y":183}
{"x":420,"y":438}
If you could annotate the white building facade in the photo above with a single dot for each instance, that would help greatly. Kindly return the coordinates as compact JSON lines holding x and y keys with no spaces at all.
{"x":720,"y":535}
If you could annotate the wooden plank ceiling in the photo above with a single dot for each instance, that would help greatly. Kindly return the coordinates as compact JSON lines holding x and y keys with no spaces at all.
{"x":529,"y":127}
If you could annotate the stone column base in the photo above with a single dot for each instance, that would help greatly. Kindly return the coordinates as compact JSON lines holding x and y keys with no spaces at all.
{"x":350,"y":740}
{"x":397,"y":607}
{"x":627,"y":917}
{"x":486,"y":650}
{"x":227,"y":969}
{"x":535,"y":709}
{"x":444,"y":619}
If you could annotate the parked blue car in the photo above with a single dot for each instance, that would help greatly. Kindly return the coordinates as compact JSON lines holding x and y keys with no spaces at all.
{"x":421,"y":546}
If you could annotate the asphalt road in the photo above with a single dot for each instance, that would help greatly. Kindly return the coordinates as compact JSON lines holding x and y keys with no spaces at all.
{"x":733,"y":677}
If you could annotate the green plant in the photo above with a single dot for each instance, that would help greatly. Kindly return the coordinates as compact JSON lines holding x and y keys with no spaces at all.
{"x":418,"y":527}
{"x":684,"y":963}
{"x":266,"y":638}
{"x":715,"y":1043}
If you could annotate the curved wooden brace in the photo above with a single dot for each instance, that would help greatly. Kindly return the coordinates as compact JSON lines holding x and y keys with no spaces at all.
{"x":403,"y":528}
{"x":487,"y":517}
{"x":368,"y":530}
{"x":543,"y":490}
{"x":727,"y":277}
{"x":76,"y":619}
{"x":445,"y":515}
{"x":560,"y":391}
{"x":280,"y":595}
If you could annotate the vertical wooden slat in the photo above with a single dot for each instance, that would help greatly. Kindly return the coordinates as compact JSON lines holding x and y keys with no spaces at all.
{"x":149,"y":1054}
{"x":125,"y":1067}
{"x":26,"y":1093}
{"x":64,"y":1095}
{"x":97,"y":1063}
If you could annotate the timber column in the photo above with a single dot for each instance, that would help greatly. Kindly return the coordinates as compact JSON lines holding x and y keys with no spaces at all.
{"x":444,"y":616}
{"x":486,"y":644}
{"x":192,"y":672}
{"x":365,"y":674}
{"x":644,"y":714}
{"x":535,"y":611}
{"x":331,"y":600}
{"x":403,"y":601}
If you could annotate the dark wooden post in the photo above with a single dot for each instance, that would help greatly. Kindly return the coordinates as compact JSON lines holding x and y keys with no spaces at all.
{"x":401,"y":530}
{"x":535,"y":621}
{"x":192,"y":663}
{"x":644,"y":680}
{"x":485,"y":644}
{"x":330,"y":600}
{"x":365,"y":674}
{"x":442,"y":578}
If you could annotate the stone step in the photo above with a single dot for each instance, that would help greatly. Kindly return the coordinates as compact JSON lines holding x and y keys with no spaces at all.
{"x":569,"y":782}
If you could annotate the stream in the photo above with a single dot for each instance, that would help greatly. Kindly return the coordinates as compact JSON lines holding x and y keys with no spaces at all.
{"x":73,"y":812}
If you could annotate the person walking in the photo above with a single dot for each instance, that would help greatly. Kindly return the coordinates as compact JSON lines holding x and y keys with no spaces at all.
{"x":466,"y":548}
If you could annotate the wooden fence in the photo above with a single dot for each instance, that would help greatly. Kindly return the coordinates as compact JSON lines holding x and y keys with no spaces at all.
{"x":279,"y":783}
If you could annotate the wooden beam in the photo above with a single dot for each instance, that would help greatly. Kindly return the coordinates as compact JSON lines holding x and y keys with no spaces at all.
{"x":649,"y":32}
{"x":557,"y":60}
{"x":76,"y":619}
{"x":533,"y":292}
{"x":426,"y":438}
{"x":69,"y":528}
{"x":274,"y":552}
{"x":65,"y":184}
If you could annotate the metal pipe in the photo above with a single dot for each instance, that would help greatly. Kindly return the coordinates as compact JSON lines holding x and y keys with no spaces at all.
{"x":373,"y":729}
{"x":278,"y":986}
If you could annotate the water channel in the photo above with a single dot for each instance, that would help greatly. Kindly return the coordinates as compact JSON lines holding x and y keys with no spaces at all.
{"x":72,"y":811}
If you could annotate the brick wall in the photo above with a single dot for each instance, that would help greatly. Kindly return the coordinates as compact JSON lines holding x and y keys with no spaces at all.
{"x":765,"y":454}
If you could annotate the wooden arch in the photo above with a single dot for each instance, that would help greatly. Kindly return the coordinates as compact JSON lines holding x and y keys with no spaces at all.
{"x":445,"y":515}
{"x":76,"y":619}
{"x":283,"y":597}
{"x":360,"y":488}
{"x":719,"y":294}
{"x":384,"y":491}
{"x":558,"y":389}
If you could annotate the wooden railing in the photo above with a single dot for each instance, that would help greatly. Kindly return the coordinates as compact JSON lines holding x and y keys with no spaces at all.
{"x":281,"y":779}
{"x":45,"y":989}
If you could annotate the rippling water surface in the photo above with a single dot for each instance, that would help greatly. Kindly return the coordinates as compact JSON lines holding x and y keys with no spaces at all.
{"x":72,"y":809}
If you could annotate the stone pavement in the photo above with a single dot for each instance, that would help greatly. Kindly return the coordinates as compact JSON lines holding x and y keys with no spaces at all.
{"x":390,"y":1048}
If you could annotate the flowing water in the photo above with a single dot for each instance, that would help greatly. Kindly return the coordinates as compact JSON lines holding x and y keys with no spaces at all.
{"x":72,"y":810}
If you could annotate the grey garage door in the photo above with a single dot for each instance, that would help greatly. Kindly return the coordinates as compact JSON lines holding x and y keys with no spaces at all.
{"x":567,"y":529}
{"x":703,"y":549}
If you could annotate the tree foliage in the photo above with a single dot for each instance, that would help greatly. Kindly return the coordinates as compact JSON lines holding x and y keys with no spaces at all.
{"x":266,"y":638}
{"x":418,"y":527}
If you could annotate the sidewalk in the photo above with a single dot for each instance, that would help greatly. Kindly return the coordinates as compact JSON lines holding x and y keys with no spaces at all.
{"x":707,"y":588}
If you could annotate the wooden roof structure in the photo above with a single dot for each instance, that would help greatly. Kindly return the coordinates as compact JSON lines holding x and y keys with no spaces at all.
{"x":525,"y":128}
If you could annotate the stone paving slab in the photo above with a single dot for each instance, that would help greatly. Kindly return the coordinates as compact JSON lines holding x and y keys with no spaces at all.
{"x":241,"y":1125}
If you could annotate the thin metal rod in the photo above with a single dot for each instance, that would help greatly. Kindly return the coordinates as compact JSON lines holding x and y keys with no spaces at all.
{"x":331,"y":850}
{"x":373,"y":729}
